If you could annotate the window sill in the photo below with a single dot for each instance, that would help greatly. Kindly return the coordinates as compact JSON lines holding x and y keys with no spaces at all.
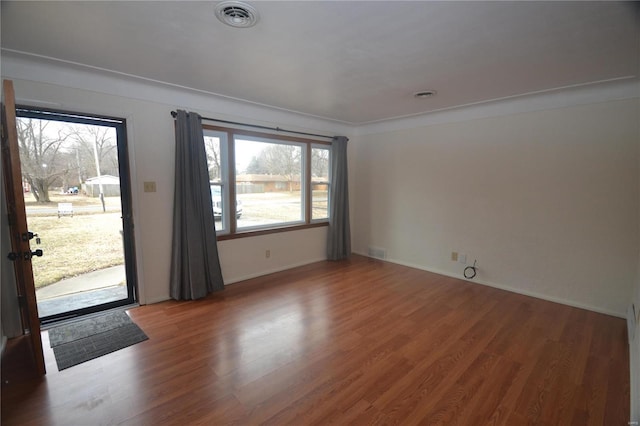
{"x":255,"y":233}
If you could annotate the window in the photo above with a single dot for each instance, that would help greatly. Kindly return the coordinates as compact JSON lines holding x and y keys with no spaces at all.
{"x":320,"y":168}
{"x":269,"y":182}
{"x":215,"y":144}
{"x":275,"y":182}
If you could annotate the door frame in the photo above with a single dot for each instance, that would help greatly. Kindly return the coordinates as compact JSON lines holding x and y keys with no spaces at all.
{"x":120,"y":125}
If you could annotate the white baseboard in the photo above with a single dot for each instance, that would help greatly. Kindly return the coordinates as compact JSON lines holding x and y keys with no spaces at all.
{"x":562,"y":301}
{"x":155,"y":300}
{"x":248,"y":277}
{"x":554,"y":299}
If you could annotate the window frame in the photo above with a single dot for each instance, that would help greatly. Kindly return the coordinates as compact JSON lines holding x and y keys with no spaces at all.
{"x":328,"y":182}
{"x":224,"y":181}
{"x":228,"y":176}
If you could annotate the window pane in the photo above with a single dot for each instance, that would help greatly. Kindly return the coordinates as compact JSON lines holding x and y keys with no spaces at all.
{"x":214,"y":161}
{"x":269,"y":182}
{"x":319,"y":183}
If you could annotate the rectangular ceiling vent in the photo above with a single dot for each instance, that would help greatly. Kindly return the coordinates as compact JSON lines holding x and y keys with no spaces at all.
{"x":377,"y":252}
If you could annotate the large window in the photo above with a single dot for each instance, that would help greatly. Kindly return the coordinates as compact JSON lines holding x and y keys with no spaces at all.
{"x":274,"y":182}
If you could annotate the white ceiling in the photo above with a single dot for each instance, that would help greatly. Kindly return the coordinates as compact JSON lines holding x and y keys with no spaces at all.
{"x":351,"y":61}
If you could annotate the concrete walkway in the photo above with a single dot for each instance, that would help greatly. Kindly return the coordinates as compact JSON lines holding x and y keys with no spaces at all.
{"x":85,"y":299}
{"x":91,"y":289}
{"x":95,"y":280}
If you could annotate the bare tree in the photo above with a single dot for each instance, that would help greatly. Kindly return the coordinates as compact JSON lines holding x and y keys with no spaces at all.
{"x":279,"y":160}
{"x":41,"y":155}
{"x":90,"y":139}
{"x":258,"y":165}
{"x":284,"y":160}
{"x":212,"y":148}
{"x":320,"y":162}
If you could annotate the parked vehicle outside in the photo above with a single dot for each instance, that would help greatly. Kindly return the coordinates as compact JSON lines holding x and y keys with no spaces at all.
{"x":216,"y":199}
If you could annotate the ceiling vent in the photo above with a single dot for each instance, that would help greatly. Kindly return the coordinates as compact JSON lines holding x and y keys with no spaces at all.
{"x":425,"y":94}
{"x":237,"y":14}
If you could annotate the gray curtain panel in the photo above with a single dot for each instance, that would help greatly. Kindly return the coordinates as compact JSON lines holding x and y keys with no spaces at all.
{"x":339,"y":238}
{"x":195,"y":266}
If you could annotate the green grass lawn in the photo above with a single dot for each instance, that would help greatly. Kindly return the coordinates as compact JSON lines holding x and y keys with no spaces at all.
{"x":75,"y":245}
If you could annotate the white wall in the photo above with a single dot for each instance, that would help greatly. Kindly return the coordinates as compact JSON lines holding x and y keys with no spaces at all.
{"x":244,"y":258}
{"x":546,"y":201}
{"x":634,"y":344}
{"x":151,"y":146}
{"x":634,"y":353}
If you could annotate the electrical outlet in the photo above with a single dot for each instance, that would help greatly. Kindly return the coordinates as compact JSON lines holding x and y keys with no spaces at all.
{"x":454,"y":256}
{"x":462,"y":258}
{"x":149,"y":187}
{"x":267,"y":254}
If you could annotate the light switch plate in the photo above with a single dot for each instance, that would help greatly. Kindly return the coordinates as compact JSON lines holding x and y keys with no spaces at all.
{"x":149,"y":187}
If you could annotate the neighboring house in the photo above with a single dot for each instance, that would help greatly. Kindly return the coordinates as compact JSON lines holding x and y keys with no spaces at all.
{"x":110,"y":186}
{"x":256,"y":183}
{"x":267,"y":183}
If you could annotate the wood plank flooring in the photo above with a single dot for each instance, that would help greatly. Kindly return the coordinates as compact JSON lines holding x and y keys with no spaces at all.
{"x":355,"y":342}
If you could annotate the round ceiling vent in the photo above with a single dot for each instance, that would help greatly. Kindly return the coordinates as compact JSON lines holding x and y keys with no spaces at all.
{"x":237,"y":14}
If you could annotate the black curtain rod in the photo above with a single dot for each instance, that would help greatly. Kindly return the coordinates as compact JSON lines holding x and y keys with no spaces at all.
{"x":277,"y":129}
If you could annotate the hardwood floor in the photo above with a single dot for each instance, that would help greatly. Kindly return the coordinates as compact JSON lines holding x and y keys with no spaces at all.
{"x":362,"y":342}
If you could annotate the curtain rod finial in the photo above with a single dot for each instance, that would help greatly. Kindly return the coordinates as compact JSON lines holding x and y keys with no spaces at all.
{"x":174,"y":114}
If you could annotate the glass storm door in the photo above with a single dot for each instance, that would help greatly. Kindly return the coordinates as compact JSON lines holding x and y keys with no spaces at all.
{"x":75,"y":183}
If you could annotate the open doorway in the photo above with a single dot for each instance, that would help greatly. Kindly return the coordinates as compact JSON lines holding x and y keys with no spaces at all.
{"x":75,"y":176}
